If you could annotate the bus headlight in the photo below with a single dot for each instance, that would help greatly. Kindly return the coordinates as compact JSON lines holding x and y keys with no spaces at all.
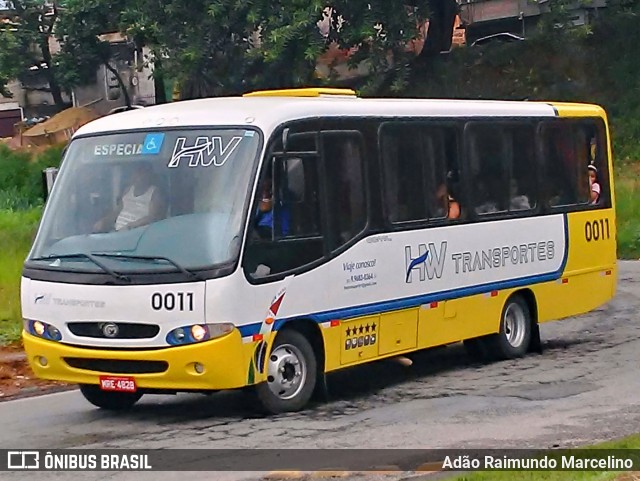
{"x":197,"y":333}
{"x":39,"y":328}
{"x":42,"y":329}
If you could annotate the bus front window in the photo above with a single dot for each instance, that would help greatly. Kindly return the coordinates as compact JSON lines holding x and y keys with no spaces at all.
{"x":133,"y":197}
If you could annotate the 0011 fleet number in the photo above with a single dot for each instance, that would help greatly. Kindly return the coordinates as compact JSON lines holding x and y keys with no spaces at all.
{"x":596,"y":230}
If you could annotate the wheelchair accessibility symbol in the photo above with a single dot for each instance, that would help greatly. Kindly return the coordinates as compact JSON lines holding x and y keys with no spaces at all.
{"x":152,"y":144}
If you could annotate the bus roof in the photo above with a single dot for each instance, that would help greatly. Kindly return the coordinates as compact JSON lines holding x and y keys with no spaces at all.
{"x":267,"y":112}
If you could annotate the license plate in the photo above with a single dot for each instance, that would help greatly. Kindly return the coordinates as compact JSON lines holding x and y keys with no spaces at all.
{"x":118,"y":383}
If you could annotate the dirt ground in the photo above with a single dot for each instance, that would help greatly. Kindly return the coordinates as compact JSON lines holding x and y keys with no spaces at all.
{"x":17,"y":379}
{"x":635,"y":476}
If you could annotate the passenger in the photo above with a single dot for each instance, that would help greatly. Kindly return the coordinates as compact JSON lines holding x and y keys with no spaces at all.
{"x":447,"y":202}
{"x":141,"y":204}
{"x":486,"y":205}
{"x":518,"y":202}
{"x":594,"y":186}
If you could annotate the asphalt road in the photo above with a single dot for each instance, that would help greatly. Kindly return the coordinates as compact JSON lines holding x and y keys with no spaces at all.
{"x":583,"y":388}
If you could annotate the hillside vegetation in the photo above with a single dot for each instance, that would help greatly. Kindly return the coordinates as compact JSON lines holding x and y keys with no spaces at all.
{"x":597,"y":65}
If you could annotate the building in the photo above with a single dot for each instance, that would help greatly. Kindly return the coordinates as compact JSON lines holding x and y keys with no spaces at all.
{"x":105,"y":93}
{"x":483,"y":18}
{"x":10,"y":115}
{"x":32,"y":92}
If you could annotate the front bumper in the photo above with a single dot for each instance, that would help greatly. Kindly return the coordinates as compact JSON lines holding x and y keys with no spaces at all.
{"x":225,"y":362}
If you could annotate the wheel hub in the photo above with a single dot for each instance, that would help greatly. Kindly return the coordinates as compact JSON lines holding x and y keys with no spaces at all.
{"x":515,"y":325}
{"x":286,"y":372}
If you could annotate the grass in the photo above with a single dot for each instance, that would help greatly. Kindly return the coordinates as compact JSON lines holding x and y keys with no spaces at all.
{"x":628,"y":211}
{"x":631,"y":442}
{"x":540,"y":476}
{"x":17,"y":229}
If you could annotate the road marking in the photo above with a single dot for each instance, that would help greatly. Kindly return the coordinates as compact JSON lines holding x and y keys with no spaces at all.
{"x":330,"y":474}
{"x":277,"y":475}
{"x":430,"y":467}
{"x":287,"y":475}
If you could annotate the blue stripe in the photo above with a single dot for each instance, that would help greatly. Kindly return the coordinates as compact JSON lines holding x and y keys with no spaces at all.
{"x":406,"y":303}
{"x":565,"y":256}
{"x":415,"y":301}
{"x":249,"y":329}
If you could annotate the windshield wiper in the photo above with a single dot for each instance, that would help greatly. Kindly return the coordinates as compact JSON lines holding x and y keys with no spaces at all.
{"x":108,"y":270}
{"x":149,"y":258}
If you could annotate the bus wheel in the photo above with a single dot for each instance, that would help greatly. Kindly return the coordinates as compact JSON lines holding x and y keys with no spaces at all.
{"x":291,"y":374}
{"x":113,"y":401}
{"x":515,"y":330}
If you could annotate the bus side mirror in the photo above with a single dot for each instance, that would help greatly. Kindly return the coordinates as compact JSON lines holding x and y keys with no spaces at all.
{"x":48,"y":178}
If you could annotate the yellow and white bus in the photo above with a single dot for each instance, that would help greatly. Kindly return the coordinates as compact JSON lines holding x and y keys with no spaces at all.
{"x":266,"y":240}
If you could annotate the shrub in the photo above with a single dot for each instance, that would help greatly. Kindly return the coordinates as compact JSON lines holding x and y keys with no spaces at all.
{"x":21,"y":176}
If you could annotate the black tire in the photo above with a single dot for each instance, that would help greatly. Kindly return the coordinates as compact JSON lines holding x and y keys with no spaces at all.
{"x":281,"y":393}
{"x":113,"y":401}
{"x":515,"y":330}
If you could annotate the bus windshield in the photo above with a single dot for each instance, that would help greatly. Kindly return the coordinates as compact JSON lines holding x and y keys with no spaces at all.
{"x":147,"y":201}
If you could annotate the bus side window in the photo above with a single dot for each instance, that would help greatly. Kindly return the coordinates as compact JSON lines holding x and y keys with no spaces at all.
{"x":592,"y":150}
{"x":298,"y":193}
{"x":521,"y":167}
{"x":420,"y":172}
{"x":444,"y":174}
{"x":285,"y":231}
{"x":566,"y":174}
{"x":346,"y":186}
{"x":488,"y":159}
{"x":582,"y":159}
{"x":403,"y":173}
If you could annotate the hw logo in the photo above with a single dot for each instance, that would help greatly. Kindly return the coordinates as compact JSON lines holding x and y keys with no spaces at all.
{"x":428,"y":262}
{"x":23,"y":460}
{"x":43,"y":299}
{"x":205,"y":151}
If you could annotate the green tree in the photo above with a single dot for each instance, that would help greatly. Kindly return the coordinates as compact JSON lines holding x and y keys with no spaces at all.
{"x":224,"y":47}
{"x":289,"y":37}
{"x":201,"y":45}
{"x":78,"y":31}
{"x":379,"y":33}
{"x":24,"y":44}
{"x":11,"y":65}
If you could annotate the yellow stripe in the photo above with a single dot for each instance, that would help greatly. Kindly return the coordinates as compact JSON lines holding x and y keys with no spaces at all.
{"x":277,"y":475}
{"x":304,"y":92}
{"x":566,"y":109}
